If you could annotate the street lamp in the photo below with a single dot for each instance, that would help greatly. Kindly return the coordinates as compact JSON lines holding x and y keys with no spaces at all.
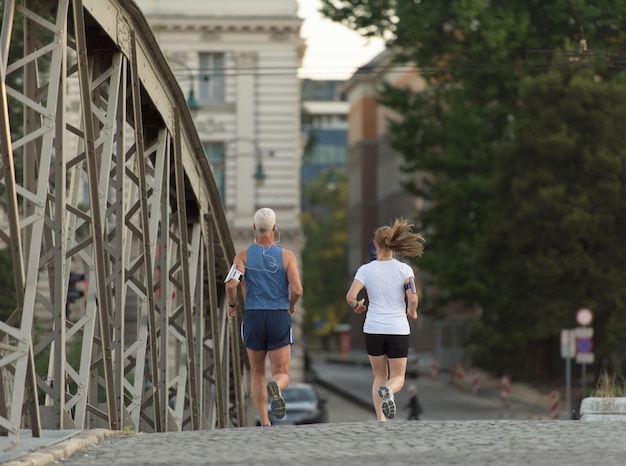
{"x":192,"y":103}
{"x":259,"y":173}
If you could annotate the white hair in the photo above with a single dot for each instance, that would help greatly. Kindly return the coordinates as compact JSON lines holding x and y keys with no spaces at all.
{"x":264,"y":219}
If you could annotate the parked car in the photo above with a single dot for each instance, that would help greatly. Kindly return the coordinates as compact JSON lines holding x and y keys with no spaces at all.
{"x":304,"y":406}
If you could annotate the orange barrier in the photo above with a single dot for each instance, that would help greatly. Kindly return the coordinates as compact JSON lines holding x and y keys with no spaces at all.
{"x":434,"y":367}
{"x":555,"y":399}
{"x":475,"y":380}
{"x":505,"y":390}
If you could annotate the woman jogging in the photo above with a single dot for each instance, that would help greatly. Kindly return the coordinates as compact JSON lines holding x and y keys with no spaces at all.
{"x":386,"y":328}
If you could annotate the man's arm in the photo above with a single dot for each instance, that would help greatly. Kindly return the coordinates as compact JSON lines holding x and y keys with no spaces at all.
{"x":232,"y":284}
{"x":293,"y":277}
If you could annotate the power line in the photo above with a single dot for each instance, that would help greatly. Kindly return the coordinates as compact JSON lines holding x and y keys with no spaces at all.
{"x":608,"y":59}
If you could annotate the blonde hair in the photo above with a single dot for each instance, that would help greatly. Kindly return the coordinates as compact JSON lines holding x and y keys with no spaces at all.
{"x":264,"y":219}
{"x":400,"y":239}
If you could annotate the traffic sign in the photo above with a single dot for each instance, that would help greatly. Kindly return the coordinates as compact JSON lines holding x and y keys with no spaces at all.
{"x":585,"y":358}
{"x":584,"y":316}
{"x":584,"y":345}
{"x":568,"y":343}
{"x":584,"y":332}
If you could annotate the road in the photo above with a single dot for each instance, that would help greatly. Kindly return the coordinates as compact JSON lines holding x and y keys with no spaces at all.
{"x":342,"y":410}
{"x":440,"y":401}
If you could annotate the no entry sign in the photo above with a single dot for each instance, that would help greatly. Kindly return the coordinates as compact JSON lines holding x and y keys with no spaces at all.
{"x":584,"y":317}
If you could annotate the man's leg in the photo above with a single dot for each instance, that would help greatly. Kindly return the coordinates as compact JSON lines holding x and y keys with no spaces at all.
{"x":280,"y":362}
{"x":257,"y":384}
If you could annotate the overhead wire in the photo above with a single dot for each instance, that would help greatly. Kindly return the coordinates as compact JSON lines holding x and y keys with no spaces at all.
{"x":191,"y":73}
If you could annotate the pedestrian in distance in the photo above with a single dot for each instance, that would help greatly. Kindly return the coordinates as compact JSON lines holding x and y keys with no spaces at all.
{"x":414,"y":406}
{"x":392,"y":299}
{"x":272,"y":289}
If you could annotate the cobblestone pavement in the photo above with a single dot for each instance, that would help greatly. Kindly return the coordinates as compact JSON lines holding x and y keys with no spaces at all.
{"x":467,"y":443}
{"x":505,"y":441}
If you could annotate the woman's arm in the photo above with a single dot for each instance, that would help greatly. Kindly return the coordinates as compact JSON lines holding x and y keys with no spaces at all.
{"x":357,"y":305}
{"x":411,"y":298}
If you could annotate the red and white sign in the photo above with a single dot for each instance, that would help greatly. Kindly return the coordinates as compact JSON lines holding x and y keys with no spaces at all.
{"x":584,"y":316}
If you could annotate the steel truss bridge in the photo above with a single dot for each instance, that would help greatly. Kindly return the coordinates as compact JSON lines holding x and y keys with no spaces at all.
{"x":110,"y":181}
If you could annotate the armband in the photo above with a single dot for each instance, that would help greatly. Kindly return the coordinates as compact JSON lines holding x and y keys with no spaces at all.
{"x":411,"y":285}
{"x":234,"y":273}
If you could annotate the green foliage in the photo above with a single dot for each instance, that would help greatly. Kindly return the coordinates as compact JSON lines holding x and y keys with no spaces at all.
{"x":128,"y":430}
{"x":610,"y":386}
{"x":8,"y":298}
{"x":553,"y":242}
{"x":556,"y":246}
{"x":325,"y":255}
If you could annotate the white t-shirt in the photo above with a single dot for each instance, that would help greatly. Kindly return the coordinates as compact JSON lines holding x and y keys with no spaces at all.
{"x":384,"y":282}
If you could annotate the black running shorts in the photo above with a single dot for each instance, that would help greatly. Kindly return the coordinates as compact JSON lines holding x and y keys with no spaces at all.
{"x":394,"y":346}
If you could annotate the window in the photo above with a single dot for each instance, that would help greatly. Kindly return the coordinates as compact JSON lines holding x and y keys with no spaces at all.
{"x":215,"y":152}
{"x":211,"y":85}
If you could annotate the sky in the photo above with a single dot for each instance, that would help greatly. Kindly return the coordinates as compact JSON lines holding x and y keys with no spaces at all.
{"x":333,"y":51}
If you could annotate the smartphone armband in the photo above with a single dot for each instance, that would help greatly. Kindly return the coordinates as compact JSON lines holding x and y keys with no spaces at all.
{"x":233,"y":273}
{"x":411,"y":285}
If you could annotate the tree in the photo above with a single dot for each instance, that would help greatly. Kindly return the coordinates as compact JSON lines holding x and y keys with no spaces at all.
{"x":325,"y":255}
{"x":555,"y":236}
{"x":474,"y":56}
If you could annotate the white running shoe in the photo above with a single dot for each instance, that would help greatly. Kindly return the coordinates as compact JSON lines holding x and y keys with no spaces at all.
{"x":389,"y":405}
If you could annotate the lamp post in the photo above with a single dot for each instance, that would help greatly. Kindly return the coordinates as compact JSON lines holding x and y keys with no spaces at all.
{"x":259,"y":172}
{"x":247,"y":195}
{"x":192,"y":103}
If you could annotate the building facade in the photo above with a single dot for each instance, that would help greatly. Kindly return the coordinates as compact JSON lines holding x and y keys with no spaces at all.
{"x":376,"y":195}
{"x":325,"y":130}
{"x":237,"y":62}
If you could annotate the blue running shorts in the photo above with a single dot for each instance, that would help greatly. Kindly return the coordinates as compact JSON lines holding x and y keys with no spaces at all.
{"x":266,"y":330}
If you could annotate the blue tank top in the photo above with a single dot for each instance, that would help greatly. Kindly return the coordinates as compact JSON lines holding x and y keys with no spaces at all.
{"x":266,"y":282}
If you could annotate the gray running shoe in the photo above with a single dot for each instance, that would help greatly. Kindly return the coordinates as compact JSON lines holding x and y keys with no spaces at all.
{"x":389,"y":405}
{"x":277,"y":401}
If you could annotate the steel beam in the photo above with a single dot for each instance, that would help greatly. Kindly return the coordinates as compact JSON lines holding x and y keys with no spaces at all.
{"x":115,"y":185}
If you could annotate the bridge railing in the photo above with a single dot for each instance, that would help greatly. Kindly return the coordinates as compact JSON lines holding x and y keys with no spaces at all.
{"x":104,"y":178}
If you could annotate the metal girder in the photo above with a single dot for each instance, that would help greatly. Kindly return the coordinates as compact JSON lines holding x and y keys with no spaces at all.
{"x":103,"y":174}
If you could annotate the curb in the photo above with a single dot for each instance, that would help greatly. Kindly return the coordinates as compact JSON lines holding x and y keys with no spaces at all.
{"x":347,"y":394}
{"x":485,"y":392}
{"x":64,"y":449}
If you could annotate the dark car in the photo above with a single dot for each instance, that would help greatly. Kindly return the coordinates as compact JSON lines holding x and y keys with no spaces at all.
{"x":304,"y":406}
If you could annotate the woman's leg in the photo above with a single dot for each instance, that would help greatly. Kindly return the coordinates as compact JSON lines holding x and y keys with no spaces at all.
{"x":397,"y":370}
{"x":379,"y":366}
